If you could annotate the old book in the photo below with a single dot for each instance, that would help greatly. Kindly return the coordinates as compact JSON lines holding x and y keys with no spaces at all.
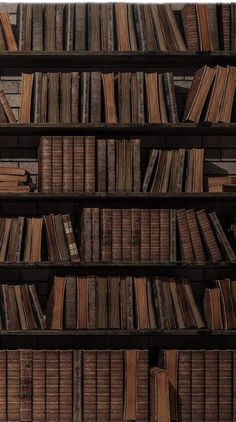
{"x":37,"y":27}
{"x":136,"y":160}
{"x":211,"y":384}
{"x":170,"y":360}
{"x":89,"y":385}
{"x":26,"y":384}
{"x":142,"y":312}
{"x":126,"y":244}
{"x":77,"y":385}
{"x":94,"y":25}
{"x":26,"y":94}
{"x":80,"y":24}
{"x":8,"y":32}
{"x":89,"y":154}
{"x":190,"y":24}
{"x":204,"y":28}
{"x":65,"y":385}
{"x":137,"y":97}
{"x":121,"y":15}
{"x":13,"y":381}
{"x":220,"y":234}
{"x":57,"y":144}
{"x":164,"y":235}
{"x":159,"y":395}
{"x":62,"y":247}
{"x":58,"y":303}
{"x":31,"y":322}
{"x":184,"y":236}
{"x":109,"y":97}
{"x":12,"y":320}
{"x":85,"y":97}
{"x":145,"y":235}
{"x":102,"y":295}
{"x":111,"y":163}
{"x":131,"y":371}
{"x":102,"y":165}
{"x":217,"y":94}
{"x":73,"y":250}
{"x":38,"y":385}
{"x":228,"y":314}
{"x":92,"y":302}
{"x":113,"y":303}
{"x":69,"y":27}
{"x":75,"y":76}
{"x":225,"y":384}
{"x":78,"y":164}
{"x":197,"y":383}
{"x":151,"y":43}
{"x":184,"y":385}
{"x":50,"y":27}
{"x":169,"y":93}
{"x":176,"y":303}
{"x":192,"y":303}
{"x":208,"y":236}
{"x":103,"y":386}
{"x":143,"y":385}
{"x":67,"y":163}
{"x":20,"y":308}
{"x":65,"y":98}
{"x":153,"y":104}
{"x":212,"y":309}
{"x":52,"y":384}
{"x":107,"y":28}
{"x":155,"y":245}
{"x":10,"y":117}
{"x":106,"y":234}
{"x":82,"y":302}
{"x":86,"y":234}
{"x":124,"y":90}
{"x":173,"y":35}
{"x":96,"y":95}
{"x":36,"y":306}
{"x":70,"y":303}
{"x":116,"y":385}
{"x":53,"y":97}
{"x":135,"y":233}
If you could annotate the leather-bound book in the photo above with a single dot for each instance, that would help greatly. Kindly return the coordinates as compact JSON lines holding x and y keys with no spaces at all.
{"x":107,"y":27}
{"x":136,"y":160}
{"x":102,"y":165}
{"x":103,"y":386}
{"x":69,"y":26}
{"x":78,"y":164}
{"x":204,"y":28}
{"x":137,"y":98}
{"x":90,"y":154}
{"x":96,"y":94}
{"x":80,"y":25}
{"x":141,"y":301}
{"x":57,"y":163}
{"x":170,"y":361}
{"x":117,"y":235}
{"x":67,"y":164}
{"x":135,"y":232}
{"x":151,"y":42}
{"x":224,"y":26}
{"x":65,"y":98}
{"x":82,"y":302}
{"x":52,"y":247}
{"x":145,"y":235}
{"x":158,"y":28}
{"x":126,"y":303}
{"x":12,"y":320}
{"x":69,"y":233}
{"x":52,"y":385}
{"x":155,"y":245}
{"x":208,"y":236}
{"x":36,"y":306}
{"x":13,"y":381}
{"x":175,"y":299}
{"x":96,"y":234}
{"x":36,"y":238}
{"x":106,"y":234}
{"x":192,"y":303}
{"x":58,"y":303}
{"x":228,"y":96}
{"x":38,"y":386}
{"x":65,"y":386}
{"x":85,"y":97}
{"x":37,"y":95}
{"x":212,"y":11}
{"x":153,"y":106}
{"x":126,"y":243}
{"x":77,"y":385}
{"x":184,"y":236}
{"x":217,"y":95}
{"x":111,"y":164}
{"x":26,"y":384}
{"x":116,"y":385}
{"x":131,"y":375}
{"x":114,"y":302}
{"x":59,"y":26}
{"x":26,"y":95}
{"x":8,"y":32}
{"x":140,"y":26}
{"x":197,"y":384}
{"x":164,"y":235}
{"x":109,"y":97}
{"x":86,"y":234}
{"x":132,"y":29}
{"x":70,"y":307}
{"x":94,"y":27}
{"x":3,"y":385}
{"x":169,"y":92}
{"x":227,"y":305}
{"x":31,"y":322}
{"x":121,"y":18}
{"x":89,"y":377}
{"x":43,"y":113}
{"x":75,"y":97}
{"x":174,"y":37}
{"x":212,"y":309}
{"x":194,"y":232}
{"x":6,"y":109}
{"x":225,"y":385}
{"x":221,"y":236}
{"x":159,"y":396}
{"x":124,"y":90}
{"x":62,"y":248}
{"x":53,"y":97}
{"x":184,"y":386}
{"x":50,"y":27}
{"x":190,"y":24}
{"x":143,"y":386}
{"x":211,"y":384}
{"x":102,"y":297}
{"x":92,"y":302}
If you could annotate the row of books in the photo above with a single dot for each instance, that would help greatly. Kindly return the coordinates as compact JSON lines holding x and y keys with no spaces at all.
{"x":153,"y":235}
{"x":94,"y":97}
{"x":122,"y":27}
{"x":201,"y":384}
{"x":221,"y":184}
{"x":122,"y":303}
{"x":87,"y":164}
{"x":21,"y":238}
{"x":175,"y":171}
{"x":74,"y":385}
{"x":14,"y":179}
{"x":211,"y":95}
{"x":116,"y":302}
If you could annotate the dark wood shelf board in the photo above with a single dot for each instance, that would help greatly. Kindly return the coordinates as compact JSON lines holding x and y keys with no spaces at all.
{"x":89,"y":266}
{"x":116,"y":196}
{"x":118,"y":59}
{"x":106,"y":129}
{"x":112,"y":332}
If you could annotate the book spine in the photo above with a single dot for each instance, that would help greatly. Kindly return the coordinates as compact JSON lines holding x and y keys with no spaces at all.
{"x":74,"y":254}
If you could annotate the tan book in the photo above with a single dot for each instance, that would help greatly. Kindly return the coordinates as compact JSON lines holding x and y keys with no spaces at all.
{"x":26,"y":94}
{"x":8,"y":32}
{"x":58,"y":303}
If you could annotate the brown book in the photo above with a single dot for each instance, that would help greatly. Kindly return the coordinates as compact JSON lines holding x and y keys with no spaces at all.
{"x":7,"y":108}
{"x":26,"y":94}
{"x":58,"y":303}
{"x":80,"y":25}
{"x":26,"y":384}
{"x":102,"y":298}
{"x":212,"y":309}
{"x":229,"y":317}
{"x":109,"y":97}
{"x":179,"y":318}
{"x":13,"y":387}
{"x":220,"y":234}
{"x":52,"y":385}
{"x":94,"y":36}
{"x":12,"y":320}
{"x":57,"y":163}
{"x":50,"y":27}
{"x":131,"y":371}
{"x":192,"y":303}
{"x":116,"y":385}
{"x":78,"y":164}
{"x":86,"y":234}
{"x":5,"y":238}
{"x":36,"y":306}
{"x":89,"y":154}
{"x":171,"y":28}
{"x":170,"y":358}
{"x":65,"y":97}
{"x":196,"y":242}
{"x":106,"y":234}
{"x":28,"y":310}
{"x":95,"y":114}
{"x":198,"y":92}
{"x":204,"y":28}
{"x":225,"y":385}
{"x":69,"y":27}
{"x":164,"y":235}
{"x":184,"y":385}
{"x":121,"y":15}
{"x":69,"y":233}
{"x":135,"y":232}
{"x":137,"y":97}
{"x":217,"y":95}
{"x":66,"y":385}
{"x":143,"y":386}
{"x":67,"y":164}
{"x":155,"y":245}
{"x":208,"y":236}
{"x":211,"y":384}
{"x":85,"y":97}
{"x":103,"y":386}
{"x":89,"y":377}
{"x":114,"y":302}
{"x":111,"y":164}
{"x":190,"y":24}
{"x":36,"y":238}
{"x":184,"y":236}
{"x":92,"y":302}
{"x":141,"y":302}
{"x":52,"y":246}
{"x":75,"y":97}
{"x":159,"y":395}
{"x":117,"y":235}
{"x":38,"y":386}
{"x":136,"y":161}
{"x":124,"y":87}
{"x":153,"y":105}
{"x":53,"y":97}
{"x":77,"y":385}
{"x":45,"y":164}
{"x":8,"y":32}
{"x":102,"y":165}
{"x":82,"y":302}
{"x":37,"y":28}
{"x":126,"y":244}
{"x":20,"y":308}
{"x":145,"y":235}
{"x":197,"y":384}
{"x":70,"y":309}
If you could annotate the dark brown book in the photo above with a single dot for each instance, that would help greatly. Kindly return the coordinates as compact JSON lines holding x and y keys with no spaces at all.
{"x":77,"y":385}
{"x":37,"y":28}
{"x":53,"y":97}
{"x":211,"y":384}
{"x":26,"y":384}
{"x":92,"y":302}
{"x":70,"y":303}
{"x":78,"y":164}
{"x":102,"y":295}
{"x":114,"y":301}
{"x":227,"y":305}
{"x":73,"y":250}
{"x":212,"y":309}
{"x":90,"y":154}
{"x":117,"y":235}
{"x":89,"y":377}
{"x":66,"y":385}
{"x":204,"y":28}
{"x":85,"y":97}
{"x":13,"y":387}
{"x":190,"y":24}
{"x":184,"y":236}
{"x":131,"y":372}
{"x":67,"y":148}
{"x":36,"y":306}
{"x":126,"y":244}
{"x":124,"y":89}
{"x":208,"y":236}
{"x":102,"y":185}
{"x":80,"y":24}
{"x":141,"y":300}
{"x":94,"y":24}
{"x":116,"y":385}
{"x":69,"y":27}
{"x":65,"y":98}
{"x":59,"y":26}
{"x":121,"y":15}
{"x":75,"y":97}
{"x":82,"y":302}
{"x":103,"y":385}
{"x":52,"y":385}
{"x":38,"y":386}
{"x":197,"y":384}
{"x":57,"y":163}
{"x":58,"y":303}
{"x":184,"y":385}
{"x":96,"y":96}
{"x":50,"y":27}
{"x":222,"y":239}
{"x":109,"y":97}
{"x":153,"y":105}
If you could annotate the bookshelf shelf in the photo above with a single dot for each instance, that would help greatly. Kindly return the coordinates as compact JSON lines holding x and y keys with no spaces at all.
{"x":112,"y":60}
{"x":119,"y":129}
